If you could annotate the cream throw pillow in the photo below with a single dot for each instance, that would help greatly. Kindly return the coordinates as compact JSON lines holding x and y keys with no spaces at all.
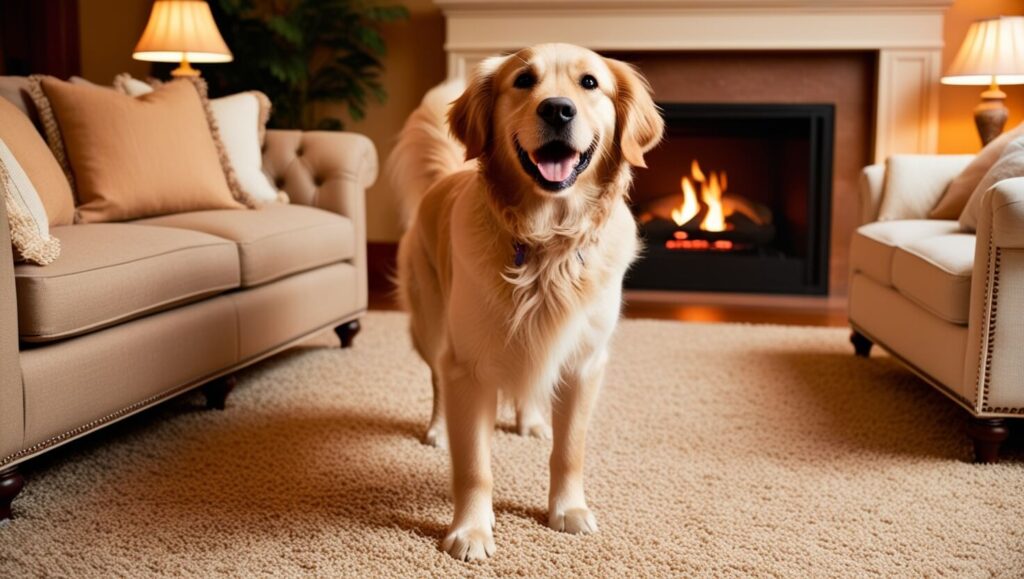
{"x":914,"y":183}
{"x":26,"y":216}
{"x":1010,"y":164}
{"x":241,"y":121}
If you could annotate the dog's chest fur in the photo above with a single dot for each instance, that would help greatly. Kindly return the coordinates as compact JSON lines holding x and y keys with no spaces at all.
{"x":559,"y":304}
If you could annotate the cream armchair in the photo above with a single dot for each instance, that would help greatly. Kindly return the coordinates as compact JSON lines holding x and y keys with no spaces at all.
{"x":946,"y":303}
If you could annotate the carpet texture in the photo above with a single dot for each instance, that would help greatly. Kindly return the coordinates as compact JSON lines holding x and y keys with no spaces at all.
{"x":716,"y":450}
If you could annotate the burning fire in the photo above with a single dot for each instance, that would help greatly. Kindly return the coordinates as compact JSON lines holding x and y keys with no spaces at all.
{"x":711,"y":190}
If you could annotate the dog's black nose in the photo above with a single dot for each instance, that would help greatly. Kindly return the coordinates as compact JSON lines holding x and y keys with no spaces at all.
{"x":556,"y":111}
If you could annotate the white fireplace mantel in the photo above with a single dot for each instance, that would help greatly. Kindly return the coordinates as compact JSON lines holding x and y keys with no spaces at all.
{"x":907,"y":35}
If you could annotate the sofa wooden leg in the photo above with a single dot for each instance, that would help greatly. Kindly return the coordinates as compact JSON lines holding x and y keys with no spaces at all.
{"x":217,"y":391}
{"x":11,"y":483}
{"x":988,"y":434}
{"x":861,"y":344}
{"x":347,"y":332}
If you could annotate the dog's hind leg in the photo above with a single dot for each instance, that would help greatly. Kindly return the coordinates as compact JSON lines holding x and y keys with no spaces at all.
{"x":437,"y":432}
{"x":567,"y":505}
{"x":530,"y":420}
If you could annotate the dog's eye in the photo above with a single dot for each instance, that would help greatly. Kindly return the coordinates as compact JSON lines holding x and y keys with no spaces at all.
{"x":525,"y":80}
{"x":588,"y":82}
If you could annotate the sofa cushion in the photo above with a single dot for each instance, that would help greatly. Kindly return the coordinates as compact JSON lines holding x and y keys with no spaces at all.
{"x":109,"y":273}
{"x":276,"y":240}
{"x":873,"y":244}
{"x":935,"y":273}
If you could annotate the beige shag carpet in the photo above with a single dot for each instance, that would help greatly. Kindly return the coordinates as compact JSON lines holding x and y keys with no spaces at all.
{"x":716,"y":450}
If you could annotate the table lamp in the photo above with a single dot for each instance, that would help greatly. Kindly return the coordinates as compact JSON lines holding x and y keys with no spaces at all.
{"x":181,"y":31}
{"x":992,"y":54}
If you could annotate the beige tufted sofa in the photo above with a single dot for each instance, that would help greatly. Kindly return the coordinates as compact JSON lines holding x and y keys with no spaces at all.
{"x":947,"y":303}
{"x":135,"y":313}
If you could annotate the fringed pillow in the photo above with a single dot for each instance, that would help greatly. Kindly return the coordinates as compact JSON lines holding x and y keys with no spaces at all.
{"x":138,"y":157}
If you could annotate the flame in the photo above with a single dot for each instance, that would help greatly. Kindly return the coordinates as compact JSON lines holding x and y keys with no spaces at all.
{"x":711,"y":190}
{"x":690,"y":207}
{"x":698,"y":175}
{"x":711,"y":194}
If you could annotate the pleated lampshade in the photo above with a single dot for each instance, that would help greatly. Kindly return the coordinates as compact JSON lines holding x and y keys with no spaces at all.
{"x":992,"y":48}
{"x":181,"y":31}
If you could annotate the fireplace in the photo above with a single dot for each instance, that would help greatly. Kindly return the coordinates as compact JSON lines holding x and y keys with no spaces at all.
{"x":737,"y":199}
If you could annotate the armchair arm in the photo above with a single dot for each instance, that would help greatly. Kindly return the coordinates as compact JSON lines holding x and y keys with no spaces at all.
{"x":327,"y":170}
{"x":872,"y":184}
{"x":996,"y":333}
{"x":12,"y":401}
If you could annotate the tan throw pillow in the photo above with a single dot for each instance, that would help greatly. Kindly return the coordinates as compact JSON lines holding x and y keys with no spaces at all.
{"x":960,"y":189}
{"x":37,"y":161}
{"x":138,"y":157}
{"x":26,"y":216}
{"x":1010,"y":164}
{"x":241,"y":121}
{"x":914,"y":183}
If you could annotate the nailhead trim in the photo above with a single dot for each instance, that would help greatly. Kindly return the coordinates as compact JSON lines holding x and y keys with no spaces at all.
{"x":91,"y":425}
{"x":979,"y":384}
{"x":986,"y":379}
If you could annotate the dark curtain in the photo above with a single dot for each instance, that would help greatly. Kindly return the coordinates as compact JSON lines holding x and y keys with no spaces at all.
{"x":39,"y":36}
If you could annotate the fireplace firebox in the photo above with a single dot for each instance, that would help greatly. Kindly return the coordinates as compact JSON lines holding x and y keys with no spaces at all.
{"x":737,"y":199}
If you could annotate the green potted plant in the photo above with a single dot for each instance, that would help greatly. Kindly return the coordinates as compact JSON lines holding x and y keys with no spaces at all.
{"x":304,"y":52}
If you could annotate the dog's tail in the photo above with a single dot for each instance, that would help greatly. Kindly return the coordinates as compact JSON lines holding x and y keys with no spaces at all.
{"x":425,"y":152}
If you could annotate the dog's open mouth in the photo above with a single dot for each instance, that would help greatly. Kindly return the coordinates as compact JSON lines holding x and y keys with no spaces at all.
{"x":556,"y":165}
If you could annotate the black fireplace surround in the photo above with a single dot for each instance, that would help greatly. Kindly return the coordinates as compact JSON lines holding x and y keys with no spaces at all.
{"x":777,"y":182}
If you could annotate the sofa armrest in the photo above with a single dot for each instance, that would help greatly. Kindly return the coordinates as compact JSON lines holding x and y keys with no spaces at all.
{"x":996,"y":333}
{"x":12,"y":409}
{"x":327,"y":170}
{"x":872,"y":185}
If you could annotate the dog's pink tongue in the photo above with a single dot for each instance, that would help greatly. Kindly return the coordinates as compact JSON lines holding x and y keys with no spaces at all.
{"x":558,"y":171}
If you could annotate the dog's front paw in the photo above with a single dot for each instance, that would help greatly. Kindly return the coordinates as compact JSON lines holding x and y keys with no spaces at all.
{"x":539,"y":430}
{"x":578,"y":521}
{"x":436,"y":436}
{"x":470,"y":543}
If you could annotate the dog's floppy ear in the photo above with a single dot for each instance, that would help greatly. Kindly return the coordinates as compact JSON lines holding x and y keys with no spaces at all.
{"x":470,"y":115}
{"x":638,"y":121}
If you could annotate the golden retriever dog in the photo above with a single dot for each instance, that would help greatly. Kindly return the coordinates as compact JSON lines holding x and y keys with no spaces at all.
{"x":512,"y":264}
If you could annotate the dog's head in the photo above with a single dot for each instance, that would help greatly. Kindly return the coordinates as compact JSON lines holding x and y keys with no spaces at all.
{"x":550,"y":116}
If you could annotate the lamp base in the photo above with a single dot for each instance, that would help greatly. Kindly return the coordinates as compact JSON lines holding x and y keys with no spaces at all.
{"x":185,"y":70}
{"x":990,"y":115}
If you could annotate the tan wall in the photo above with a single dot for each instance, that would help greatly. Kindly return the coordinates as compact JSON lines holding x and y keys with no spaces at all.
{"x":416,"y":62}
{"x":957,"y":133}
{"x":109,"y":31}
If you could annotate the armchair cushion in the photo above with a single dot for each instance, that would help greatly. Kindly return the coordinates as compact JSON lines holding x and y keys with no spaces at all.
{"x":274,"y":241}
{"x":110,"y":273}
{"x":935,"y":273}
{"x":873,"y":245}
